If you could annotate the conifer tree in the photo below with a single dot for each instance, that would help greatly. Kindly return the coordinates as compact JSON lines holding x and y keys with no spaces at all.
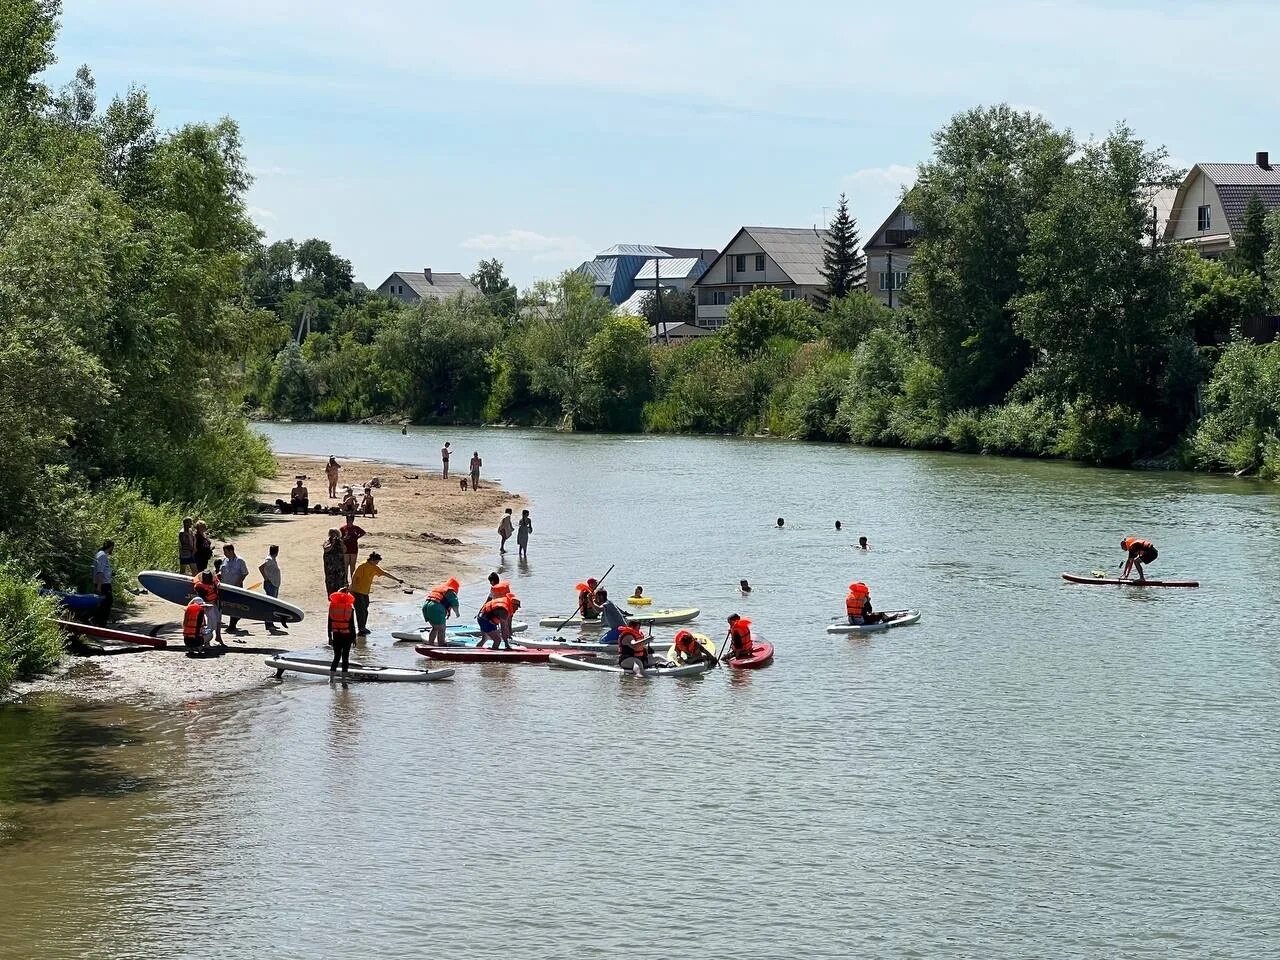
{"x":843,"y":266}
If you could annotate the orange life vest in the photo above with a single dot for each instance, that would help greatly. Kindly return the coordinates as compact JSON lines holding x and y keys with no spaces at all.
{"x":632,"y":642}
{"x":1132,"y":544}
{"x":208,"y":592}
{"x":499,"y":589}
{"x":342,"y":613}
{"x":686,"y":643}
{"x":495,"y":609}
{"x":193,"y":620}
{"x":740,"y":635}
{"x":512,"y":602}
{"x":437,"y":592}
{"x":855,"y":602}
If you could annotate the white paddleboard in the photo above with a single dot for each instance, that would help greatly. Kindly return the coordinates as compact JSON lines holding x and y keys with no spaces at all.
{"x":900,"y":618}
{"x":357,"y":671}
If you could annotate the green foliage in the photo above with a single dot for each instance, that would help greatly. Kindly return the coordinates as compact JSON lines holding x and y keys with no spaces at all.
{"x":1241,"y":426}
{"x":619,"y":375}
{"x":673,"y":306}
{"x":491,"y":280}
{"x":810,"y":395}
{"x":1217,"y":300}
{"x":1250,"y":251}
{"x":762,"y":314}
{"x":1110,"y":433}
{"x":30,"y":644}
{"x":844,"y":268}
{"x":849,"y":319}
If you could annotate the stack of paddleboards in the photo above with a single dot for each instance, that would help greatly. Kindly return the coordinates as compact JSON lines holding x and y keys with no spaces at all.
{"x":232,"y":601}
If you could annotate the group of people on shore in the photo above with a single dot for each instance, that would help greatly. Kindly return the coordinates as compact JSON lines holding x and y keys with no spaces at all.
{"x":506,"y":528}
{"x":473,"y":468}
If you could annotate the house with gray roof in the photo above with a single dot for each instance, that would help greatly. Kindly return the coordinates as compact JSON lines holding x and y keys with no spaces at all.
{"x":613,"y":271}
{"x":788,"y":258}
{"x":889,"y":254}
{"x":1208,"y":209}
{"x":409,"y":286}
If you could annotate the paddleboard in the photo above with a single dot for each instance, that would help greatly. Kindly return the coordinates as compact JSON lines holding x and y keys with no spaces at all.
{"x":1117,"y":582}
{"x":233,"y":601}
{"x":654,"y":617}
{"x":705,"y":642}
{"x":356,"y":671}
{"x":761,"y":656}
{"x":609,"y":665}
{"x":896,"y":618}
{"x":106,"y":633}
{"x":483,"y":654}
{"x":585,"y":646}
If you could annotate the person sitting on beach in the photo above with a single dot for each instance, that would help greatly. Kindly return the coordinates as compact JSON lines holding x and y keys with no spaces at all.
{"x":196,"y":629}
{"x":349,"y":506}
{"x":689,"y":649}
{"x":441,"y":603}
{"x":633,"y":647}
{"x":494,"y":621}
{"x":612,"y":616}
{"x":366,"y":504}
{"x":587,"y":608}
{"x":740,"y":644}
{"x":299,"y":497}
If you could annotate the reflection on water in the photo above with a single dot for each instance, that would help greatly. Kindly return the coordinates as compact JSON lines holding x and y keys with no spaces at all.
{"x":1035,"y":769}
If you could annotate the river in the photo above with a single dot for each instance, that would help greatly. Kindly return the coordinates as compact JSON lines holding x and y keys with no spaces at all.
{"x":1035,"y":770}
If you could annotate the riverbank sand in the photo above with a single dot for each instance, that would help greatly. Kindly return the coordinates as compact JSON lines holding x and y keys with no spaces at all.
{"x":426,"y":531}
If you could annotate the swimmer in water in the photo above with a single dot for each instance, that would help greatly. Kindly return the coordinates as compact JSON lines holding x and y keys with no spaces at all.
{"x":744,"y":587}
{"x":862,"y":544}
{"x":781,"y":522}
{"x":838,"y":527}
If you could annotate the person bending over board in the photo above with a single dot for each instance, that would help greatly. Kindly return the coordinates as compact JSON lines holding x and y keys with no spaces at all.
{"x":1139,"y":552}
{"x":494,"y":621}
{"x":205,"y":587}
{"x":361,"y":585}
{"x":342,"y":627}
{"x":613,"y":617}
{"x":441,"y":603}
{"x":740,"y":644}
{"x":196,"y":628}
{"x":633,"y":647}
{"x":688,"y":649}
{"x":499,"y":589}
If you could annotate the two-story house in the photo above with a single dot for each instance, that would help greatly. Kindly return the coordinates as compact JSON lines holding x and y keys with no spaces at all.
{"x":888,"y":252}
{"x":411,"y":287}
{"x":1208,"y":208}
{"x":789,"y":258}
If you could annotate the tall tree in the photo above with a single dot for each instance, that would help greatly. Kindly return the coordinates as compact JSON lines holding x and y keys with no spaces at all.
{"x":1251,"y":249}
{"x":843,"y":266}
{"x":491,"y":280}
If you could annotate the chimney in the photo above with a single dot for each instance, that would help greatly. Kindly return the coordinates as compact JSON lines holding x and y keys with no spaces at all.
{"x":1263,"y":159}
{"x":426,"y":272}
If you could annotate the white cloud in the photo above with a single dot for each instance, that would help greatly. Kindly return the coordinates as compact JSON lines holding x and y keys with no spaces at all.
{"x":538,"y":246}
{"x":894,"y":175}
{"x":261,"y":213}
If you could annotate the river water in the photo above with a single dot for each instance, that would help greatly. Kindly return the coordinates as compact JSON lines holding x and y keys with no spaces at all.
{"x":1035,"y":770}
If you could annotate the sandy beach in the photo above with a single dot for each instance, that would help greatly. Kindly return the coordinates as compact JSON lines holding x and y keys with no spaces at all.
{"x":419,"y":514}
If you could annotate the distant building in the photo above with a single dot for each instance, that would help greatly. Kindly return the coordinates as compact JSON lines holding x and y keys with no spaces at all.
{"x":787,"y":258}
{"x":889,"y":253}
{"x":1207,"y":212}
{"x":613,"y":272}
{"x":411,"y":287}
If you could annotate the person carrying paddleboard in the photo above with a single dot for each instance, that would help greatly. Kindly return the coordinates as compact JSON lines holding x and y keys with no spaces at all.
{"x":857,"y":605}
{"x":342,"y":627}
{"x":441,"y":603}
{"x":739,"y":636}
{"x":633,"y":647}
{"x":1139,"y":552}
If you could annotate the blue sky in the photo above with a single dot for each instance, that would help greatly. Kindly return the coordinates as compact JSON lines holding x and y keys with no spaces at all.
{"x":415,"y":134}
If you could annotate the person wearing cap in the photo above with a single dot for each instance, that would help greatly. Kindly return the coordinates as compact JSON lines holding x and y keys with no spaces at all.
{"x":362,"y":583}
{"x":441,"y":603}
{"x":587,"y":608}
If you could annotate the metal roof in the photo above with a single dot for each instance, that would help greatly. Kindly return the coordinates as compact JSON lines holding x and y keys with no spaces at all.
{"x":632,"y":250}
{"x":673,"y":268}
{"x":677,"y":331}
{"x":1240,"y":174}
{"x":600,"y":271}
{"x":440,"y":286}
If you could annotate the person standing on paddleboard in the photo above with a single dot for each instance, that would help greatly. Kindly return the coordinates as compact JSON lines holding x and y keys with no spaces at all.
{"x":1139,"y":552}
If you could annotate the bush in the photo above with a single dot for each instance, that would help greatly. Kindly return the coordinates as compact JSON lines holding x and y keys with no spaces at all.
{"x":1242,"y":411}
{"x":30,"y":644}
{"x":1111,"y":434}
{"x":1018,"y":429}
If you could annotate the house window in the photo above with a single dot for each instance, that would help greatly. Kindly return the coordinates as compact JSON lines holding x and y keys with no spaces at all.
{"x":740,"y":263}
{"x":718,"y":298}
{"x":791,"y":293}
{"x":893,"y":281}
{"x":1203,"y":220}
{"x":759,"y":263}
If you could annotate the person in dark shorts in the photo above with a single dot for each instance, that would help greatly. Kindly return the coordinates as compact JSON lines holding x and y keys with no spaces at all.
{"x":1140,"y":553}
{"x":342,"y":627}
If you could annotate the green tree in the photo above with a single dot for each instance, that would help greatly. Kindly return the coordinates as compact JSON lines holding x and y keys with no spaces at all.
{"x":991,"y":169}
{"x":674,"y":306}
{"x":491,"y":280}
{"x":844,"y":268}
{"x":848,"y":320}
{"x":619,"y":374}
{"x":1251,"y":249}
{"x":751,"y":321}
{"x":1217,"y":300}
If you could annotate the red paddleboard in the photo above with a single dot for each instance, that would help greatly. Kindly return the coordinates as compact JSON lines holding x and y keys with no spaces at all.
{"x":483,"y":654}
{"x":104,"y":633}
{"x":1117,"y":582}
{"x":761,"y":656}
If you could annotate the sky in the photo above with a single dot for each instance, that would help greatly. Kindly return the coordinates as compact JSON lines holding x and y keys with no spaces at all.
{"x":414,"y":133}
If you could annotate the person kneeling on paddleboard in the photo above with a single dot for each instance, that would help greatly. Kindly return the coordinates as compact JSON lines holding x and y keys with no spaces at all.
{"x":196,"y":629}
{"x":342,"y":627}
{"x":611,"y":614}
{"x":739,"y":636}
{"x":633,"y":647}
{"x":1140,"y":552}
{"x":494,"y":621}
{"x":441,"y":603}
{"x":688,"y":649}
{"x":857,"y":605}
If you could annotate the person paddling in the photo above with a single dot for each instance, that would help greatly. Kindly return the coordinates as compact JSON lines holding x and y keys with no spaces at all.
{"x":1140,"y":552}
{"x":611,"y":614}
{"x":587,"y":608}
{"x":689,"y":649}
{"x":857,"y":605}
{"x":633,"y":647}
{"x":739,"y":636}
{"x":342,"y":627}
{"x":441,"y":603}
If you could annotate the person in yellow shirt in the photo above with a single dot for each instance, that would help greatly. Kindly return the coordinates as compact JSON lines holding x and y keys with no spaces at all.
{"x":361,"y":583}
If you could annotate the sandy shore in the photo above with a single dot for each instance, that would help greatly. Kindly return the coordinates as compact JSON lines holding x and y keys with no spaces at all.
{"x":418,"y":512}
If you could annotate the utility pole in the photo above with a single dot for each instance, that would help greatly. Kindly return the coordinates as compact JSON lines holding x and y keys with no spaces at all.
{"x":657,"y":292}
{"x":891,"y":283}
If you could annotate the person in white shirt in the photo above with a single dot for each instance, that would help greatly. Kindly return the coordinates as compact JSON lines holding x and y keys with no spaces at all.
{"x":102,"y":578}
{"x":270,"y":570}
{"x":233,"y":574}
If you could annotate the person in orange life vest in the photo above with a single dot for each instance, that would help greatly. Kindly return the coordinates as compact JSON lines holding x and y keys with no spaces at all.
{"x":587,"y":608}
{"x":687,"y":649}
{"x":633,"y":647}
{"x":205,"y":586}
{"x":1139,"y":552}
{"x":739,"y":636}
{"x":342,"y":627}
{"x":494,"y":620}
{"x":857,"y":605}
{"x":499,"y":589}
{"x":441,"y":603}
{"x":196,"y":629}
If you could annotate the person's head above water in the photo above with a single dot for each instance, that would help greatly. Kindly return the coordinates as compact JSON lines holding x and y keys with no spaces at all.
{"x":838,"y":525}
{"x":744,"y":586}
{"x":862,"y":542}
{"x":639,"y":592}
{"x":781,"y":522}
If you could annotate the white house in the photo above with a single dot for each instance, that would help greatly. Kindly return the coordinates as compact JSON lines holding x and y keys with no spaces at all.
{"x":1208,"y":208}
{"x":787,"y":258}
{"x":411,"y":287}
{"x":889,"y":254}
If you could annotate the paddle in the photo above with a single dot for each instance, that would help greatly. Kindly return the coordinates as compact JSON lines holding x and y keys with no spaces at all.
{"x":577,"y":608}
{"x":724,"y":646}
